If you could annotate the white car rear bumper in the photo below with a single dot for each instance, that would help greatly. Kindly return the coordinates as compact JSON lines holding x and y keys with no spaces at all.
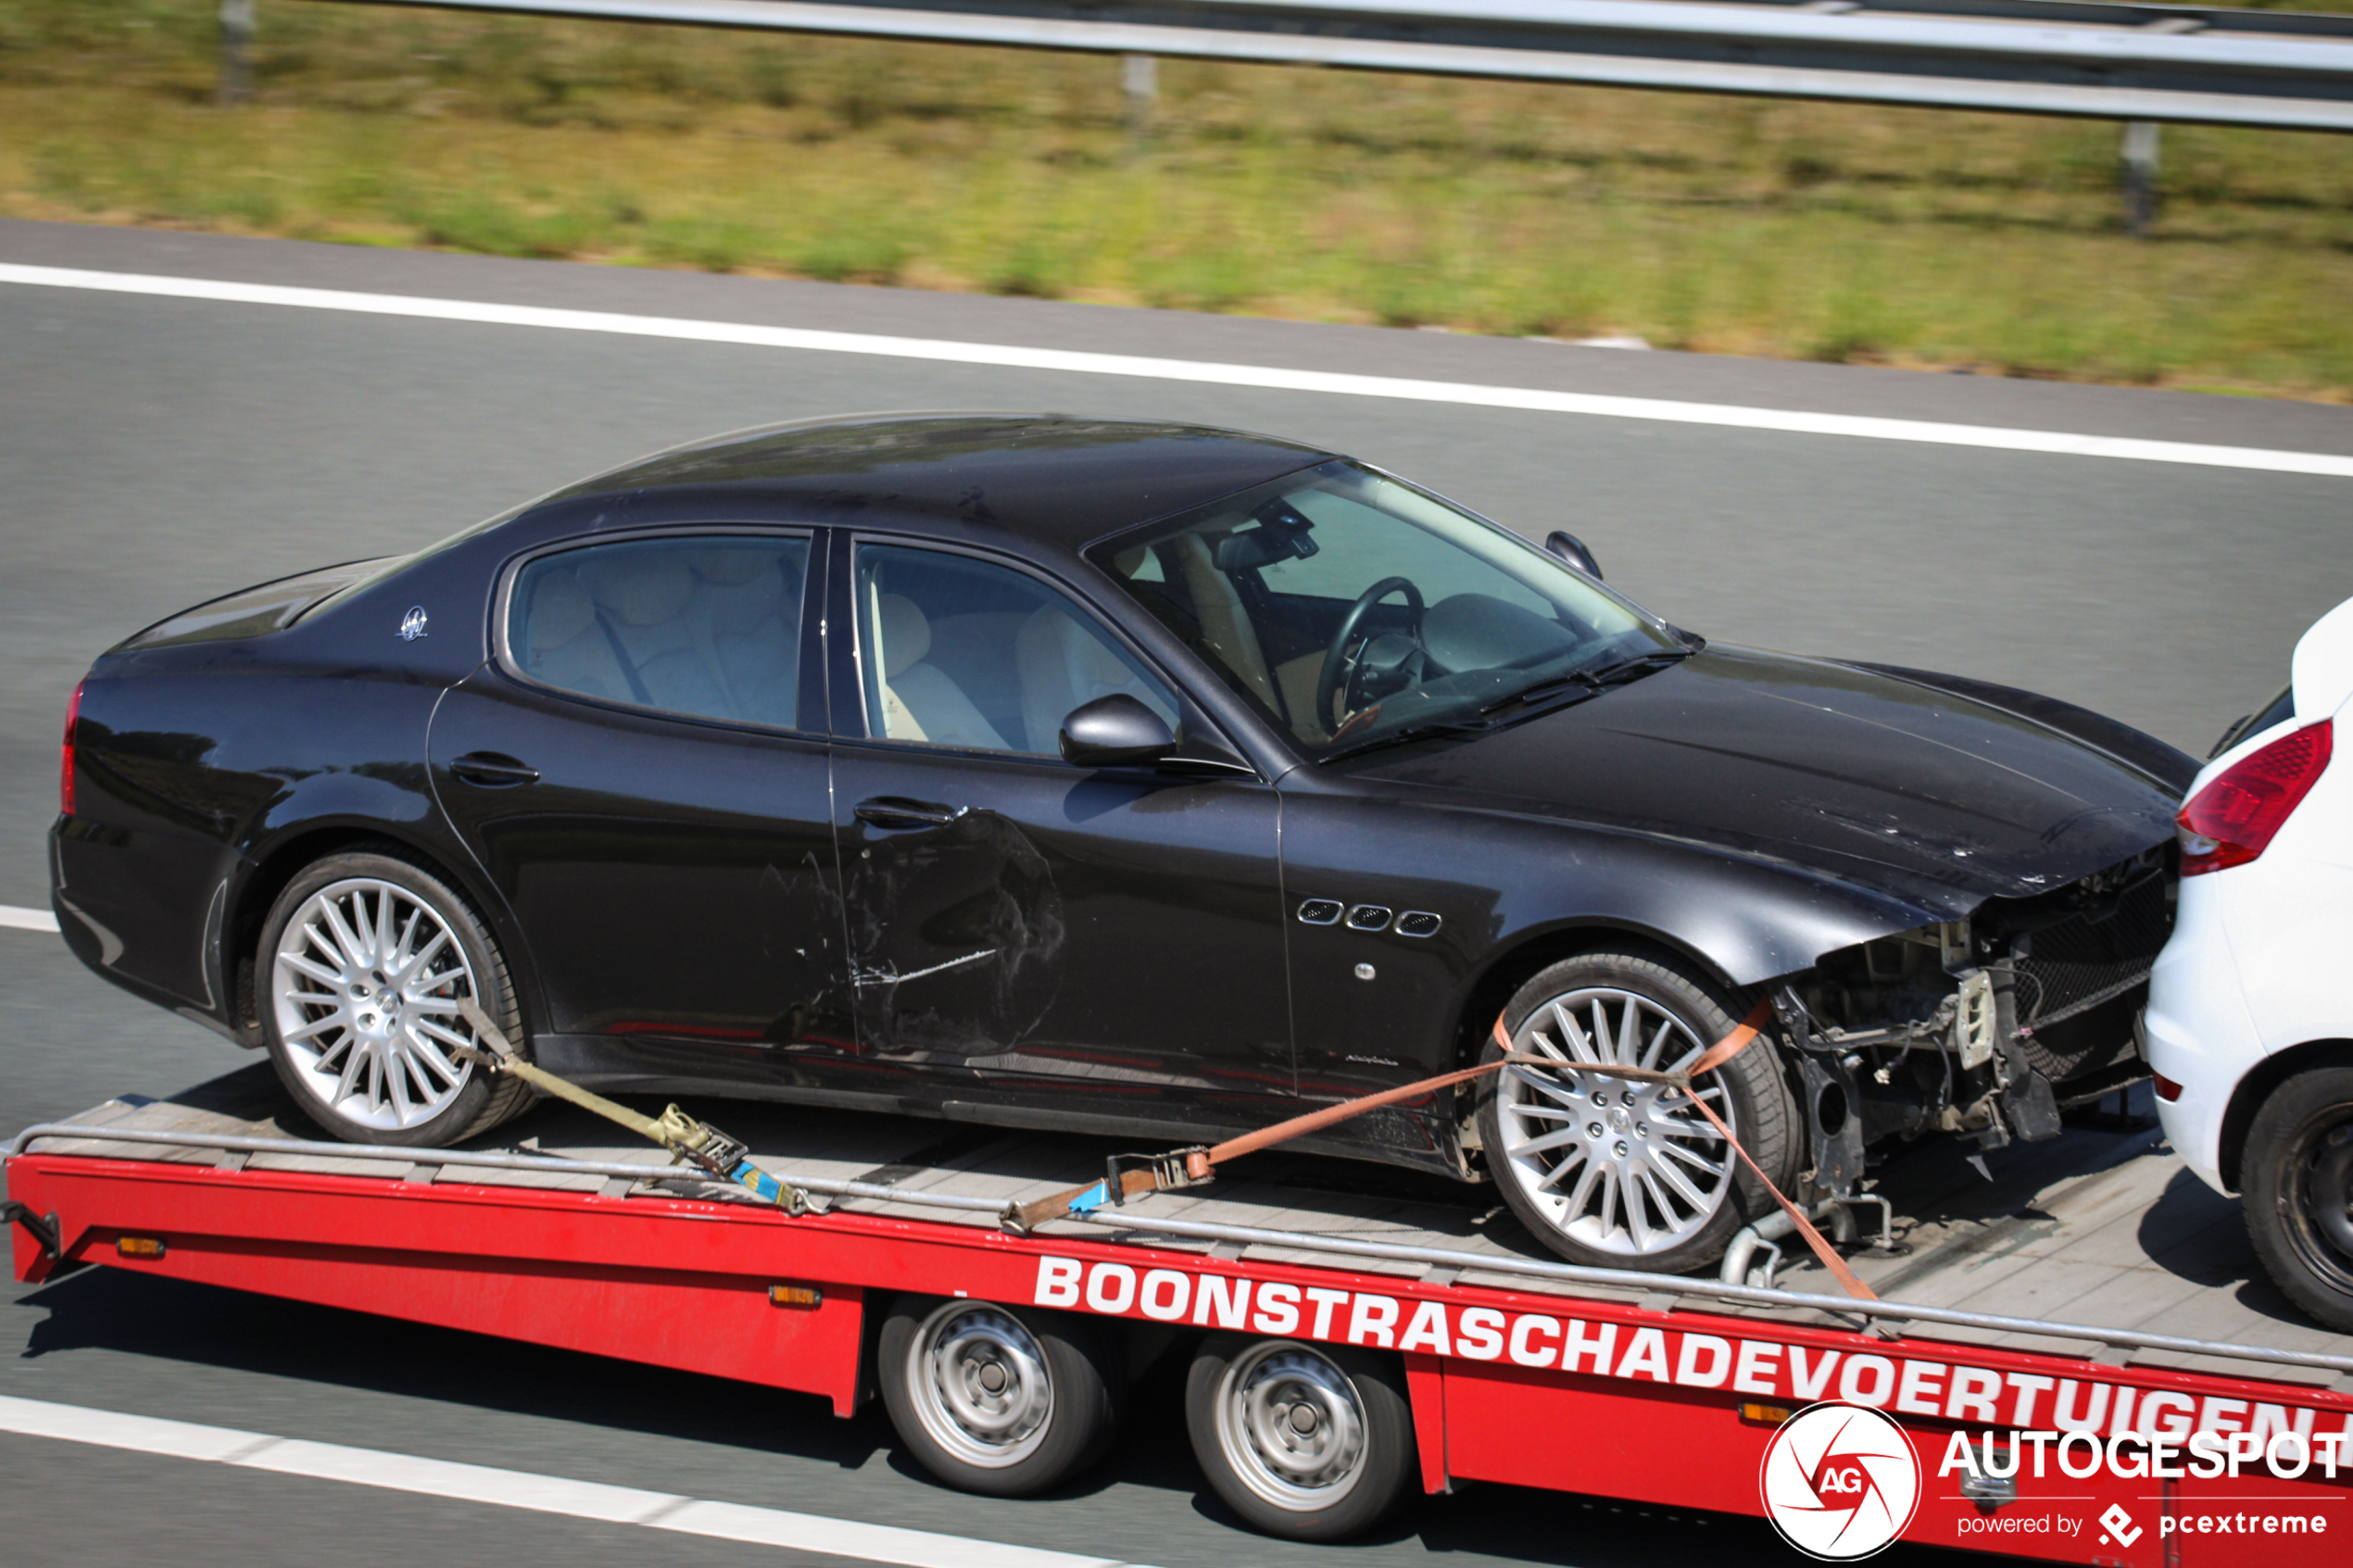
{"x":2200,"y":1034}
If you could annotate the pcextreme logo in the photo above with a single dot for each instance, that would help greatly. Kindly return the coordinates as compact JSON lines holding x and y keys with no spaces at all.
{"x":1839,"y":1481}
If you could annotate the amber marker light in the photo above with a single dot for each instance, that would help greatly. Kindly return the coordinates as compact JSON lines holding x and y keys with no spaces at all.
{"x":1770,"y":1416}
{"x":801,"y":1296}
{"x":139,"y":1245}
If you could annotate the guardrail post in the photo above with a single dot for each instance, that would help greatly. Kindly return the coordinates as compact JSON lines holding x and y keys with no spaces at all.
{"x":2140,"y":176}
{"x":236,"y":40}
{"x":1140,"y":74}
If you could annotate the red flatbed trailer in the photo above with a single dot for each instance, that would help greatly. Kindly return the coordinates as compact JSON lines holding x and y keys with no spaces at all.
{"x":1676,"y":1392}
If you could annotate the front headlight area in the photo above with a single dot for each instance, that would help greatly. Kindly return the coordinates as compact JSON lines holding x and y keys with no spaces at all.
{"x":1898,"y":1037}
{"x":1987,"y":1026}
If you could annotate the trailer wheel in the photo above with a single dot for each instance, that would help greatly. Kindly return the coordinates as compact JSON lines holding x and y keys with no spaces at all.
{"x":2299,"y":1179}
{"x":1311,"y":1442}
{"x":1006,"y":1400}
{"x":363,"y":959}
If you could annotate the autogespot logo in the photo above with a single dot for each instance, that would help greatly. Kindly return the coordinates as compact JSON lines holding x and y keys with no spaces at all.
{"x":1839,"y":1481}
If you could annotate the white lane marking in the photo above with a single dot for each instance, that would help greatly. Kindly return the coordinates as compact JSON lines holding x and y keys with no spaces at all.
{"x":517,"y":1488}
{"x":16,"y":919}
{"x":468,"y":1482}
{"x":1595,"y":404}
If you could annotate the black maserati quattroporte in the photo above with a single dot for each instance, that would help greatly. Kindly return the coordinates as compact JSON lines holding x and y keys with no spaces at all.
{"x":1118,"y":778}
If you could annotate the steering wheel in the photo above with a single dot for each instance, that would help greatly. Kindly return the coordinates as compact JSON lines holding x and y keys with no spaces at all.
{"x":1332,"y":680}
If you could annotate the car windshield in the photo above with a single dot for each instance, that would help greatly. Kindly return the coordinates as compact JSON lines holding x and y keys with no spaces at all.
{"x":1351,"y":609}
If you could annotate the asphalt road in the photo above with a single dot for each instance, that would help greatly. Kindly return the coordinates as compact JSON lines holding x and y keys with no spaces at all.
{"x":155,"y":452}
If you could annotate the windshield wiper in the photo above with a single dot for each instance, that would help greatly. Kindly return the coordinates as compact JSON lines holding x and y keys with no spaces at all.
{"x":1412,"y":731}
{"x":1640,"y":664}
{"x":1588,"y":682}
{"x":1573,"y":686}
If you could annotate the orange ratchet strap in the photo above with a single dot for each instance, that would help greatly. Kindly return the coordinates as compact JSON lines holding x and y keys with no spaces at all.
{"x":1190,"y":1167}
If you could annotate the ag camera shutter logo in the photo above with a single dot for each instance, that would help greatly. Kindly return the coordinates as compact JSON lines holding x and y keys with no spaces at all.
{"x":1839,"y":1481}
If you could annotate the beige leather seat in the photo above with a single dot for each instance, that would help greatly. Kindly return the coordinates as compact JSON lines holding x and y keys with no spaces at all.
{"x":562,"y":643}
{"x":743,"y":623}
{"x":1063,"y":666}
{"x":919,"y":701}
{"x":1224,"y":623}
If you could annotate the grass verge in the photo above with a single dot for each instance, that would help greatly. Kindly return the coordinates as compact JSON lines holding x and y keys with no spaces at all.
{"x":1800,"y":230}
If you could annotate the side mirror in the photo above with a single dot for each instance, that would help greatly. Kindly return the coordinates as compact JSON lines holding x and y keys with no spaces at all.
{"x":1570,"y":548}
{"x":1112,"y":730}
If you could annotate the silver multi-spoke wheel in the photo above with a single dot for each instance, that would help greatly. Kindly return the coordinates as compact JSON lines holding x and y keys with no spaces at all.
{"x":1631,"y":1169}
{"x":979,"y":1384}
{"x":365,"y":984}
{"x":1290,"y":1426}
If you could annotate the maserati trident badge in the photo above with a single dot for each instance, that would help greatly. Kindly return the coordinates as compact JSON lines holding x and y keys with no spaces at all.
{"x":413,"y":625}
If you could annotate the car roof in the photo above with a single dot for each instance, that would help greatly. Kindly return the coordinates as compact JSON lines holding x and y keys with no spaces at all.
{"x":1055,"y":479}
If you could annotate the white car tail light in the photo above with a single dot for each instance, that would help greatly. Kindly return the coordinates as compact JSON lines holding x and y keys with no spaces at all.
{"x":2232,"y":820}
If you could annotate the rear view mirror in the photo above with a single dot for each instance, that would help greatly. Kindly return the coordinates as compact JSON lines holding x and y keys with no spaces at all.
{"x":1112,"y":730}
{"x":1570,"y":548}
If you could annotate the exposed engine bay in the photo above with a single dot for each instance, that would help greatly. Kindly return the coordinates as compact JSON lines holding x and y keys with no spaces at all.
{"x":1987,"y":1027}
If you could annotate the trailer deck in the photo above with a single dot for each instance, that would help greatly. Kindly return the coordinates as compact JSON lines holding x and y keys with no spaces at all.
{"x":2101,"y":1226}
{"x":2093,"y":1268}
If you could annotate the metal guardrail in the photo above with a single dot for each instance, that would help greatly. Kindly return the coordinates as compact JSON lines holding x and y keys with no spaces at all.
{"x":2182,"y":64}
{"x":1897,"y":1313}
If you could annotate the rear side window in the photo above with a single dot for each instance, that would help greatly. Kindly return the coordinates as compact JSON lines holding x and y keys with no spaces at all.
{"x":708,"y":627}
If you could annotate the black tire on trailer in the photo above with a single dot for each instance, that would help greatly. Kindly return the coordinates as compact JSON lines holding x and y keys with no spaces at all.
{"x":1618,"y":1174}
{"x":1310,"y":1442}
{"x":363,"y":958}
{"x":1002,"y":1400}
{"x":2297,"y":1180}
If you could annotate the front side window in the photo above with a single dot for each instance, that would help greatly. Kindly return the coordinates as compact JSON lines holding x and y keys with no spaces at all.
{"x":706,"y":626}
{"x":958,"y":652}
{"x":1345,"y":605}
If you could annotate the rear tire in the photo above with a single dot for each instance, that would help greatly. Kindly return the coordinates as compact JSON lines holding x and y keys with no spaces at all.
{"x":362,"y":959}
{"x":1623,"y":1176}
{"x":1309,"y":1442}
{"x":1002,"y":1400}
{"x":2298,"y":1175}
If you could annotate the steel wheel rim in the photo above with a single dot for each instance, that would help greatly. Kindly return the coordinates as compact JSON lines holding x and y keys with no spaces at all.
{"x":980,"y":1384}
{"x":365,"y":985}
{"x":2319,"y":1195}
{"x":1291,"y":1425}
{"x":1628,"y":1169}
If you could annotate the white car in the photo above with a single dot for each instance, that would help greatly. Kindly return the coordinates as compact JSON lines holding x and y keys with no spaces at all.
{"x":2251,"y":1012}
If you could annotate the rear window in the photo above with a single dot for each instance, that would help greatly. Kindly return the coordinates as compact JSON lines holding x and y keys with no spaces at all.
{"x":2279,"y":710}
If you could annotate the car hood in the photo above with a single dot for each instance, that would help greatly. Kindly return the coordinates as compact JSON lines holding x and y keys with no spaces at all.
{"x":1881,"y":779}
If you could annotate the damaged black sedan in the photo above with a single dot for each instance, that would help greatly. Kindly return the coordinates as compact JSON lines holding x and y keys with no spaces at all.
{"x":1120,"y":778}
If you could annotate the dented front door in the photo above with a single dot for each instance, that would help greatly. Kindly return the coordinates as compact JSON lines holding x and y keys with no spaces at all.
{"x":1091,"y":945}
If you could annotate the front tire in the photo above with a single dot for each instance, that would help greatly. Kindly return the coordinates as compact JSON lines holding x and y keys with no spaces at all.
{"x":363,"y":959}
{"x":1625,"y":1175}
{"x":1309,"y":1442}
{"x":2298,"y":1189}
{"x":1002,"y":1400}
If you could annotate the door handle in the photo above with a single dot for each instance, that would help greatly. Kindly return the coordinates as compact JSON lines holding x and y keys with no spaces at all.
{"x":492,"y":769}
{"x":893,"y":811}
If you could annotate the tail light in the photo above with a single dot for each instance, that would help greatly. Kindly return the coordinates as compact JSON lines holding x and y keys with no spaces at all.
{"x":65,"y":754}
{"x":2232,"y":820}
